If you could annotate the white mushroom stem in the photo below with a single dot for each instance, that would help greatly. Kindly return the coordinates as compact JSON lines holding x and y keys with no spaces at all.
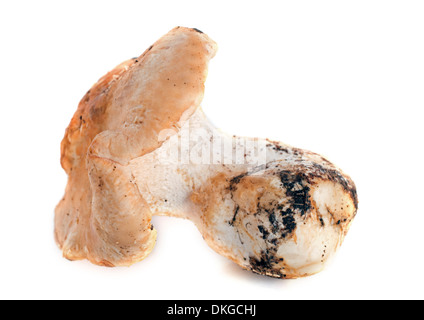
{"x":232,"y":189}
{"x":188,"y":159}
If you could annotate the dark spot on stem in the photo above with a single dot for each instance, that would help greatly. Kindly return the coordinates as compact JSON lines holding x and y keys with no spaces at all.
{"x":235,"y":216}
{"x":267,"y":265}
{"x":296,"y":189}
{"x":264,"y":232}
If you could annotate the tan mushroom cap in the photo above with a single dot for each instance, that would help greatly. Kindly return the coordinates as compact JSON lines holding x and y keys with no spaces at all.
{"x":120,"y":119}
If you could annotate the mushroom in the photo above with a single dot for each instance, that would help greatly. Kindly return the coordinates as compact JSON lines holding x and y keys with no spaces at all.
{"x":139,"y":145}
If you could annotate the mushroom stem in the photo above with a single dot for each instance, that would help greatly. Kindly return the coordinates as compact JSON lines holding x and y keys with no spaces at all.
{"x":271,"y":208}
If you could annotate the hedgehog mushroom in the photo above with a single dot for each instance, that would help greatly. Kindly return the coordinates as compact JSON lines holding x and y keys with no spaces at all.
{"x":139,"y":145}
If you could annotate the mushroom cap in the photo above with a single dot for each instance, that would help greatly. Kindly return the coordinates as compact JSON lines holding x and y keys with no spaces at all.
{"x":119,"y":119}
{"x":154,"y":92}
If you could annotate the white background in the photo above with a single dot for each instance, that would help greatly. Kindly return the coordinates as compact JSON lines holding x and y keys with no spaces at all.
{"x":341,"y":78}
